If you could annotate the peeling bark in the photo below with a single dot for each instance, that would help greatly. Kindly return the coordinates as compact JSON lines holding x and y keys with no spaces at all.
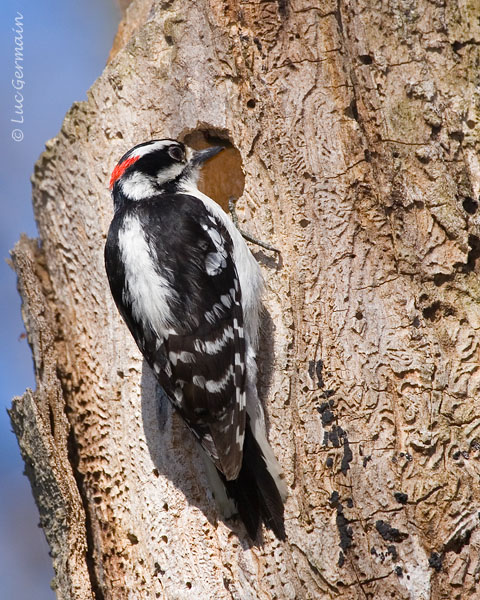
{"x":356,"y":125}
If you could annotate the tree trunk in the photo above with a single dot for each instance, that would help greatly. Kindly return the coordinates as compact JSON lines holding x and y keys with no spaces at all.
{"x":354,"y":133}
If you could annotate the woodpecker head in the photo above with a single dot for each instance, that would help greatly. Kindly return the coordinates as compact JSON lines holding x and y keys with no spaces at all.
{"x":156,"y":166}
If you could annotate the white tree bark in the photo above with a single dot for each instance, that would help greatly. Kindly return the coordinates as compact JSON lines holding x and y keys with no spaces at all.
{"x":357,"y":128}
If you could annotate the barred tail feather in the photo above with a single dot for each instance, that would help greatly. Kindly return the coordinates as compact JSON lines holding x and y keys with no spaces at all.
{"x":258,"y":491}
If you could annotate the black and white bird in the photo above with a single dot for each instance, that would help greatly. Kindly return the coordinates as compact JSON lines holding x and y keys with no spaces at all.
{"x":190,"y":290}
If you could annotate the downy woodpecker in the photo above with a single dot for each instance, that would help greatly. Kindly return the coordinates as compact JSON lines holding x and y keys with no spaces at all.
{"x":189,"y":290}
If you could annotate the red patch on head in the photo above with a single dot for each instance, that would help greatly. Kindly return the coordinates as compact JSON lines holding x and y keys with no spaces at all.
{"x":120,"y":169}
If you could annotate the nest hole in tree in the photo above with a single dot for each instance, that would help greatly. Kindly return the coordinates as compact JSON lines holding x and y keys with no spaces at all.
{"x":222,"y":176}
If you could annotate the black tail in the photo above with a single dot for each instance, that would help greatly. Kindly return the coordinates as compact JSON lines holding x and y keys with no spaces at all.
{"x":255,"y":491}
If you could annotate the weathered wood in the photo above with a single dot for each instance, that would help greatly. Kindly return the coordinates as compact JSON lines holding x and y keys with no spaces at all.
{"x":357,"y":125}
{"x":45,"y":437}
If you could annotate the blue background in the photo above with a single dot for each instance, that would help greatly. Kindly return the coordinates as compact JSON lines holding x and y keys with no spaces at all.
{"x":66,"y":45}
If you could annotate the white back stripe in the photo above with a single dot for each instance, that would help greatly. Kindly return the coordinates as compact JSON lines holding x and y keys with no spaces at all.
{"x":148,"y":292}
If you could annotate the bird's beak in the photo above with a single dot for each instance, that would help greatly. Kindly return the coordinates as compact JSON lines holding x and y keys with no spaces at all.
{"x":201,"y":156}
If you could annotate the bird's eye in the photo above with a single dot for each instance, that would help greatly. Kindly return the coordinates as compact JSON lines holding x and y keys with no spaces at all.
{"x":176,"y":153}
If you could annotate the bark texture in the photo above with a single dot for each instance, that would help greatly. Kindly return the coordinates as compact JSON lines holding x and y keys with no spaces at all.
{"x":356,"y":124}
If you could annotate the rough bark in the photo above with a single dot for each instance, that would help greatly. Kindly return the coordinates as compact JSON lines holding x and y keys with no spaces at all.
{"x":357,"y":127}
